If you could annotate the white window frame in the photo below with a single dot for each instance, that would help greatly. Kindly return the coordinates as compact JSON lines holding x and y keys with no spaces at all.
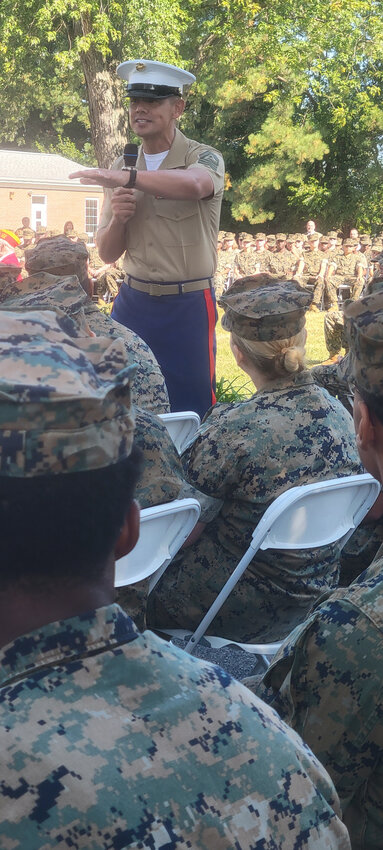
{"x":36,"y":208}
{"x":96,"y":201}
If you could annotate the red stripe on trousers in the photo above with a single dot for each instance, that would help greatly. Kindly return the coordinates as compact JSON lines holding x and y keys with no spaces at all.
{"x":211,"y":330}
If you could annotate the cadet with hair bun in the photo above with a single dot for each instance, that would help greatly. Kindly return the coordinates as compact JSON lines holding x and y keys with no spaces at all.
{"x":290,"y":432}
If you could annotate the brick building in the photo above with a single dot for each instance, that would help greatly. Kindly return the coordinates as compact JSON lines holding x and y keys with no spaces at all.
{"x":37,"y":185}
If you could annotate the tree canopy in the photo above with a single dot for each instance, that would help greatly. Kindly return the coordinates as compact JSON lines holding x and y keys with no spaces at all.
{"x":290,"y":92}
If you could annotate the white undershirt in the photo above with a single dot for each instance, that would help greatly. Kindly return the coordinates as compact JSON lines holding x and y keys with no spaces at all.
{"x":153,"y":160}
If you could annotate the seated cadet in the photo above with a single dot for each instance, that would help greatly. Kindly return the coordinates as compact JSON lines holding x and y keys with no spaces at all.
{"x":249,"y":259}
{"x":290,"y":432}
{"x":110,"y":738}
{"x":224,"y":269}
{"x":280,"y":261}
{"x":326,"y":680}
{"x":162,"y":478}
{"x":60,"y":256}
{"x":105,"y":276}
{"x":347,"y":268}
{"x":311,"y":269}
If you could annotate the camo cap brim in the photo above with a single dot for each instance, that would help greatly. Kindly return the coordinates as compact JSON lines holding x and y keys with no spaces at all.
{"x":363,"y":323}
{"x":57,"y":255}
{"x":275,"y":311}
{"x":64,"y":399}
{"x":45,"y":290}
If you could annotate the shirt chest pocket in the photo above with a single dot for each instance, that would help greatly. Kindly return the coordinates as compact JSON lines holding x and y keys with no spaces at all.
{"x":177,"y":222}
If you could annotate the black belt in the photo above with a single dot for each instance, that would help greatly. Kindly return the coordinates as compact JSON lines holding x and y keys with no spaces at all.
{"x":179,"y":288}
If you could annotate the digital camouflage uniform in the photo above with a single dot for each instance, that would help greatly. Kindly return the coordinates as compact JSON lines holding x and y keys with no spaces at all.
{"x":251,"y":262}
{"x":162,"y":480}
{"x":150,"y":391}
{"x":312,"y":267}
{"x":326,"y":682}
{"x":334,"y":332}
{"x":225,"y":265}
{"x":334,"y":324}
{"x":328,"y":377}
{"x":282,"y":263}
{"x":105,"y":286}
{"x":291,"y":432}
{"x":111,"y":739}
{"x":346,"y":273}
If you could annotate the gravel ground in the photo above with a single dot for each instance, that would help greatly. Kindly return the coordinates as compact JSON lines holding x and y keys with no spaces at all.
{"x":232,"y":659}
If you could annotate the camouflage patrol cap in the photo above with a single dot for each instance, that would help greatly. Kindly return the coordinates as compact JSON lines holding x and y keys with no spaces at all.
{"x":332,"y":234}
{"x":260,"y":236}
{"x":247,"y":238}
{"x":363,"y":323}
{"x":377,"y":244}
{"x":45,"y":291}
{"x":56,"y":255}
{"x":248,"y":283}
{"x":290,"y":237}
{"x":275,"y":311}
{"x":365,"y":239}
{"x":271,"y":238}
{"x":313,"y":237}
{"x":350,"y":243}
{"x":65,"y":399}
{"x":229,"y":236}
{"x":281,"y":237}
{"x":324,"y":240}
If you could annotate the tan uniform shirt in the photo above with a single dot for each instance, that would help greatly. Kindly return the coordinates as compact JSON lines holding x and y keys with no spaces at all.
{"x":171,"y":240}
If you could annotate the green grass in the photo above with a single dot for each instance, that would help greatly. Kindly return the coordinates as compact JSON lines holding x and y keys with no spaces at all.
{"x":227,"y":369}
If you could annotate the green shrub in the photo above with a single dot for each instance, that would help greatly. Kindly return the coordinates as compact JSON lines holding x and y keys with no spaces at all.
{"x":233,"y":390}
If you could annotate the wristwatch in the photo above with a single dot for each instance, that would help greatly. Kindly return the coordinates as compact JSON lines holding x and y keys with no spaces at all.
{"x":132,"y":176}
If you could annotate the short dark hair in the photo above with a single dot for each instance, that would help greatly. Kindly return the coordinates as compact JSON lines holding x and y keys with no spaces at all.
{"x":374,"y":403}
{"x":63,"y":527}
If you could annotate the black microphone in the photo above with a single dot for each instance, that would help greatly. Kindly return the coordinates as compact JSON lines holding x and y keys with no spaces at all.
{"x":130,"y":155}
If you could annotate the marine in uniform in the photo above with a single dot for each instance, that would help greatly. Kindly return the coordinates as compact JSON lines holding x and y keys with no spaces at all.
{"x":58,"y":256}
{"x":281,"y":261}
{"x":347,"y":268}
{"x":249,"y":259}
{"x":326,"y":680}
{"x":246,"y":454}
{"x":111,"y":738}
{"x":312,"y":269}
{"x":165,"y":216}
{"x":224,"y":269}
{"x":106,"y":277}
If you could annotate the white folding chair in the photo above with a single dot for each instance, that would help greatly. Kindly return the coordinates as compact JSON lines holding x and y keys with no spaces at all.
{"x":181,"y":426}
{"x":304,"y":517}
{"x":163,"y":530}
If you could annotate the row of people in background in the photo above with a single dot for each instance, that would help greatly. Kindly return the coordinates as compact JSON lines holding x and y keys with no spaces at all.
{"x":312,"y":259}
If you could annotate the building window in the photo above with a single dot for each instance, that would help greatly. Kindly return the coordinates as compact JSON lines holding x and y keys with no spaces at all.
{"x":91,"y":216}
{"x":38,"y":210}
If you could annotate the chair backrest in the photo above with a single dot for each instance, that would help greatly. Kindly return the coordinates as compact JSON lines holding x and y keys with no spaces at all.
{"x":163,"y":530}
{"x":181,"y":426}
{"x":303,"y":517}
{"x":314,"y":515}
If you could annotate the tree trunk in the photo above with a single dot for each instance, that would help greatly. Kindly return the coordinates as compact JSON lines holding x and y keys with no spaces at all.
{"x":108,"y":118}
